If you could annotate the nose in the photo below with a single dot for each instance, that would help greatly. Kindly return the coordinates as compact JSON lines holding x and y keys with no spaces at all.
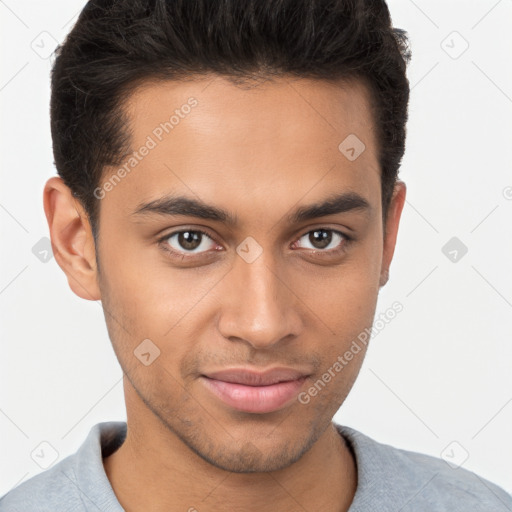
{"x":259,"y":305}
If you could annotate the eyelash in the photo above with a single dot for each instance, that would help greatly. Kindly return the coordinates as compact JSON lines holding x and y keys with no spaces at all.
{"x":183,"y":256}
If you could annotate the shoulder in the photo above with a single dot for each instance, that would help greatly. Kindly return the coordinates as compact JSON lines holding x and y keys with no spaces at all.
{"x":77,"y":483}
{"x":399,"y":479}
{"x":49,"y":491}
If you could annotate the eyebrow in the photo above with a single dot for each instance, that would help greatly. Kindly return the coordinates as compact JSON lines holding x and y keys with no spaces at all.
{"x":180,"y":205}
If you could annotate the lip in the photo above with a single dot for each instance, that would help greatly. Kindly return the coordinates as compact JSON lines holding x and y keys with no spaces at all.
{"x":250,"y":377}
{"x":255,"y":392}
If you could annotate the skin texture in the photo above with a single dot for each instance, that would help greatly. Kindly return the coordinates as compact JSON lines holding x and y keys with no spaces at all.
{"x":259,"y":153}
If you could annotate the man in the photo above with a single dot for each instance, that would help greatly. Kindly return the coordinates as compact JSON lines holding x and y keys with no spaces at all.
{"x":228,"y":189}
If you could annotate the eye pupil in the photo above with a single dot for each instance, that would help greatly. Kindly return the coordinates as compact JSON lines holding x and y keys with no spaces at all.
{"x":189,"y":239}
{"x":321,"y":236}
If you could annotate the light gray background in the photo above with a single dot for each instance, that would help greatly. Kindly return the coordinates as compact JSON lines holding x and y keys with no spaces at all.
{"x":439,"y":373}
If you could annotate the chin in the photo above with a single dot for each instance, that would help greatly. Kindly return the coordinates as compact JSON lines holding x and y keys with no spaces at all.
{"x":250,"y":459}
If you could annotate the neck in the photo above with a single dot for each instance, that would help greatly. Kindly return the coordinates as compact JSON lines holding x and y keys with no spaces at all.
{"x":154,"y":469}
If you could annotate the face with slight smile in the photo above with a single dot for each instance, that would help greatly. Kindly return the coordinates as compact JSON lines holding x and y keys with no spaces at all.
{"x":265,"y":290}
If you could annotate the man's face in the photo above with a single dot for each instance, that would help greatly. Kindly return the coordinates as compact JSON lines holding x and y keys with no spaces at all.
{"x":265,"y":291}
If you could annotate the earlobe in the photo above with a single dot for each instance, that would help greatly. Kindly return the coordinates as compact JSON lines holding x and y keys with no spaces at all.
{"x":394,"y":214}
{"x":384,"y":277}
{"x":71,"y":237}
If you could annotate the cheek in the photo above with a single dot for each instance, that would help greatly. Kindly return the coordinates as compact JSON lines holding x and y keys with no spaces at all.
{"x":138,"y":282}
{"x":144,"y":298}
{"x":345,"y":297}
{"x":345,"y":301}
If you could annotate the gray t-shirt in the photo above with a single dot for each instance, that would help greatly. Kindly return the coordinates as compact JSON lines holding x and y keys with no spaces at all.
{"x":389,"y":480}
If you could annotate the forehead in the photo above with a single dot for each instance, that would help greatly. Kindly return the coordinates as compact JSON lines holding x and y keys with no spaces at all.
{"x":211,"y":138}
{"x":283,"y":106}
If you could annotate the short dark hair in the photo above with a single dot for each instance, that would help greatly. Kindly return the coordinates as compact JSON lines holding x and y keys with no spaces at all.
{"x":116,"y":45}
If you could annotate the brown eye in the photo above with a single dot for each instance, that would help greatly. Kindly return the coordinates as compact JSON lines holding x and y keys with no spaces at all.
{"x":320,"y":238}
{"x":324,"y":240}
{"x":191,"y":241}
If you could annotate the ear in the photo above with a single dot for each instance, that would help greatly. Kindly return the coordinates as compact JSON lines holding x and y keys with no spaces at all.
{"x":72,"y":239}
{"x":394,"y":213}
